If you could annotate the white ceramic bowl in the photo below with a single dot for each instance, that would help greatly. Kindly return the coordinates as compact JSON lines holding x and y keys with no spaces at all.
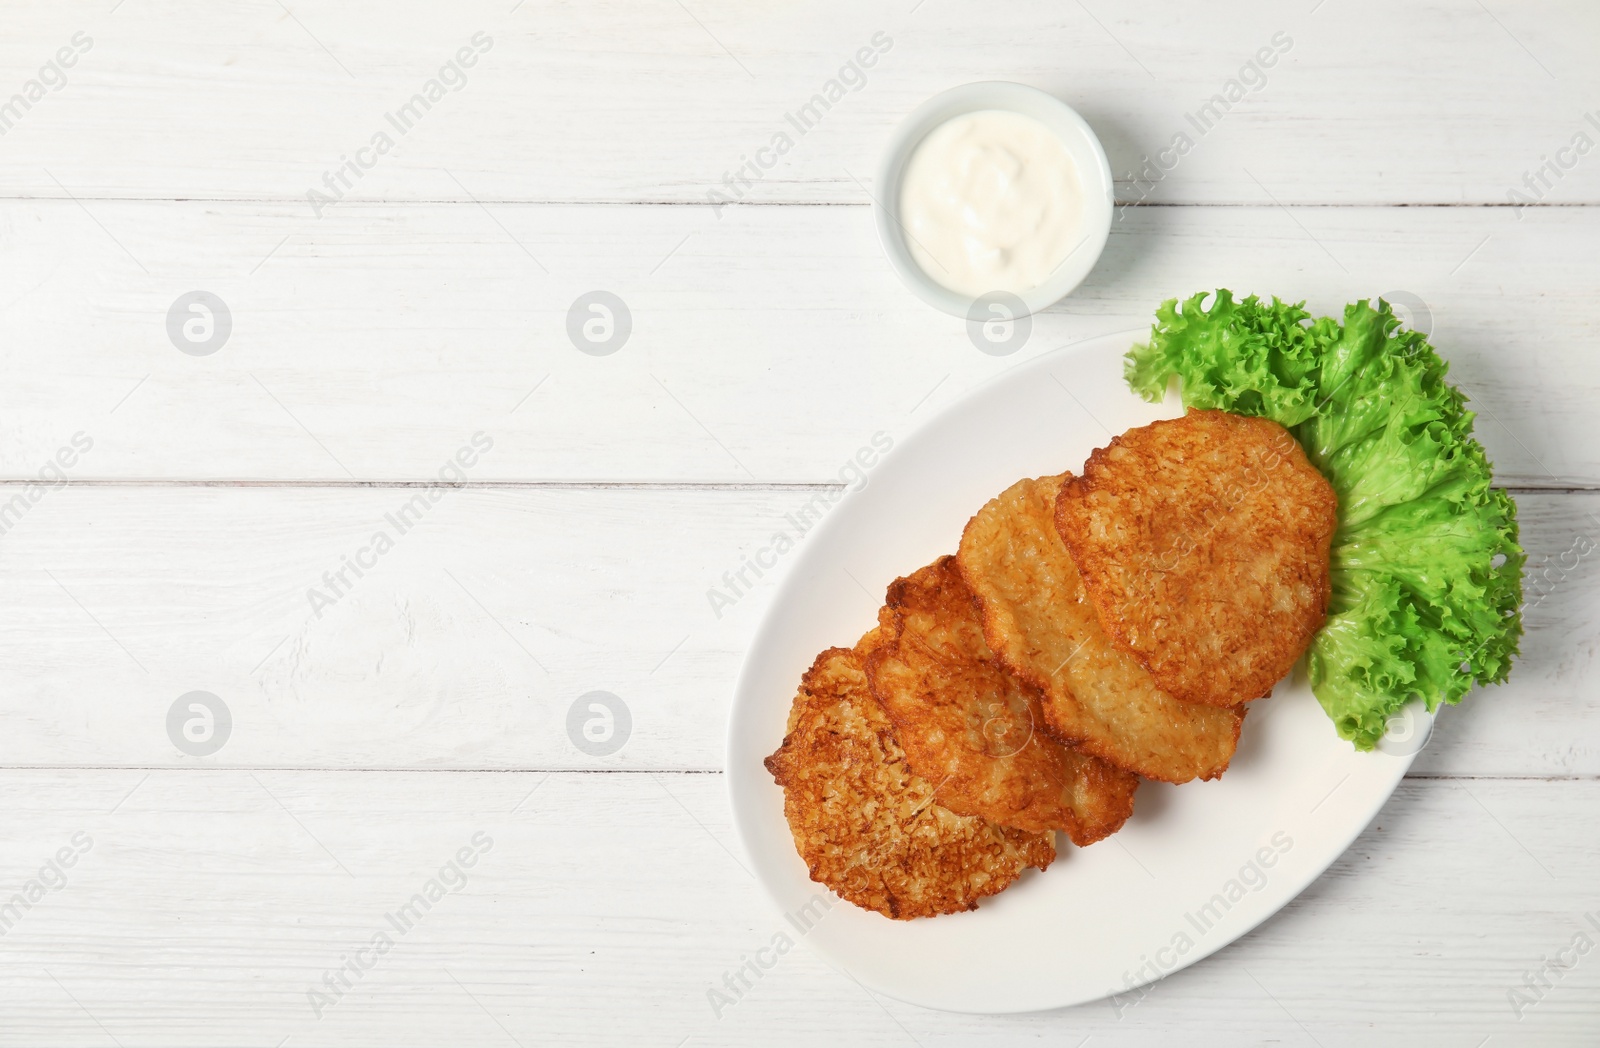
{"x":1050,"y":111}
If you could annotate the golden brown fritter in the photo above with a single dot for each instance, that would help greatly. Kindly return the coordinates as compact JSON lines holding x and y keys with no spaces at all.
{"x":1203,"y":543}
{"x":1039,"y":622}
{"x":974,"y":729}
{"x":866,"y":825}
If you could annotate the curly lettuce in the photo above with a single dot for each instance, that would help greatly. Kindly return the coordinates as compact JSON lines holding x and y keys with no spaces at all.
{"x":1427,"y":570}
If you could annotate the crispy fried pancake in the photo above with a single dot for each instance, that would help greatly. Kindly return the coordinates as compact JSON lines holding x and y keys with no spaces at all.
{"x":975,"y":730}
{"x":1203,"y":543}
{"x":866,"y":825}
{"x":1039,"y":622}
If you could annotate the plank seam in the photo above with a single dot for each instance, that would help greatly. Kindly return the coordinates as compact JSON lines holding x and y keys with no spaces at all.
{"x":554,"y":485}
{"x":247,"y":770}
{"x":350,"y":204}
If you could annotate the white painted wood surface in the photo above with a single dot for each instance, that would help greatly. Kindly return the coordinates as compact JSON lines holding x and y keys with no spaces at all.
{"x":466,"y":644}
{"x":211,"y":903}
{"x":770,"y":342}
{"x":766,"y":347}
{"x":1440,"y":101}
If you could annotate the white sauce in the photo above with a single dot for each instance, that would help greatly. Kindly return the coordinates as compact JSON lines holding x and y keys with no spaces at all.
{"x":991,"y":201}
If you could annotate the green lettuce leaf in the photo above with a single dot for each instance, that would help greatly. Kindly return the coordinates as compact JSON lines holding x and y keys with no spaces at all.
{"x":1427,"y":570}
{"x":1245,"y":357}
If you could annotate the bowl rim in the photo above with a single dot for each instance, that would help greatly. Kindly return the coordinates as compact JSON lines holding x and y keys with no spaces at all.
{"x":1081,"y":142}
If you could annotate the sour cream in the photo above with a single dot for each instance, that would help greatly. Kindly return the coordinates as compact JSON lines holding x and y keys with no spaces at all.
{"x":991,"y":201}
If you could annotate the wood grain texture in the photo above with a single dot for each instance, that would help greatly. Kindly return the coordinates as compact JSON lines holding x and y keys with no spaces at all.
{"x":210,"y":904}
{"x":1439,"y":101}
{"x":374,"y":336}
{"x":466,"y":644}
{"x":765,"y":347}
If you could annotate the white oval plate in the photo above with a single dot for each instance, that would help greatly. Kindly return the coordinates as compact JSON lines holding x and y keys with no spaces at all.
{"x":1195,"y":868}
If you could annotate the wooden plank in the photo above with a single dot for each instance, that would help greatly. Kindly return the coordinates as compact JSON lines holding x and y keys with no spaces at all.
{"x":634,"y":101}
{"x":373,"y":338}
{"x":466,"y":644}
{"x":767,"y":346}
{"x":601,"y":909}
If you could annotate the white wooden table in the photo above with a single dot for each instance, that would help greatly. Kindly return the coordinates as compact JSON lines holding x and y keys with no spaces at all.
{"x":420,"y":707}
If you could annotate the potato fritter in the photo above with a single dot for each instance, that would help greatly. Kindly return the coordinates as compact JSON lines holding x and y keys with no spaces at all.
{"x":975,"y":730}
{"x":1203,"y":543}
{"x":866,"y":825}
{"x":1040,"y":624}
